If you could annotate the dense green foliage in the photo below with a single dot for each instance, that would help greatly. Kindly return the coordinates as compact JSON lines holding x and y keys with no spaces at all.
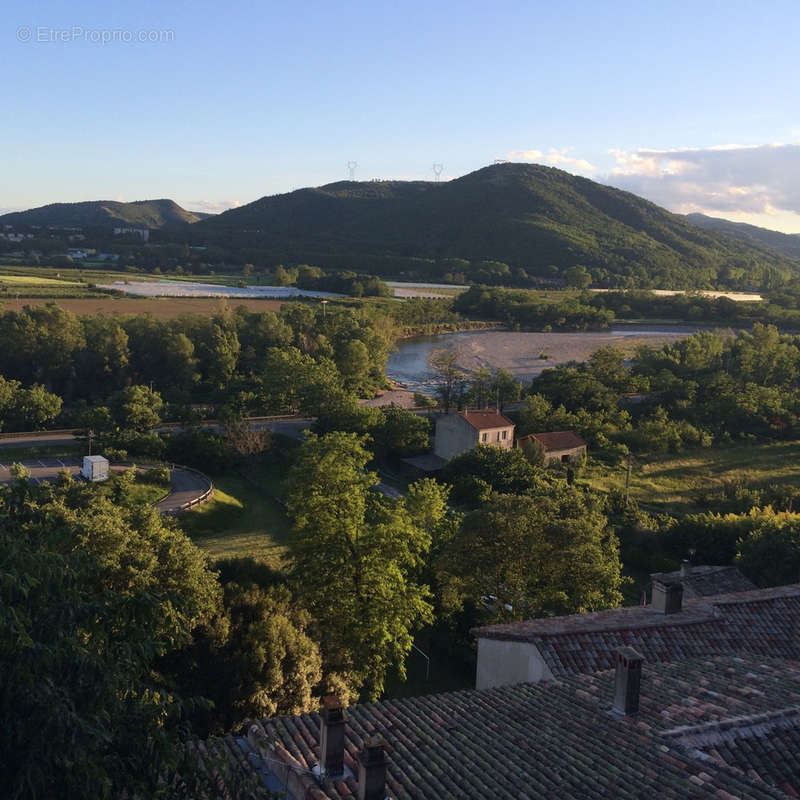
{"x":548,"y":551}
{"x":511,"y":224}
{"x":93,"y":595}
{"x":707,"y":387}
{"x":520,"y":308}
{"x":354,"y":560}
{"x":300,"y":359}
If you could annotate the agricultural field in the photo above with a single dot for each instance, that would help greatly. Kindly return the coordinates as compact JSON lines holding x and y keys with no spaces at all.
{"x":159,"y":307}
{"x":30,"y":280}
{"x":676,"y":484}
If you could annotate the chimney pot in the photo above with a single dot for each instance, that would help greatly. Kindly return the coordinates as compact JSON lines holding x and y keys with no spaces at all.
{"x":372,"y":769}
{"x":332,"y":730}
{"x":667,"y":596}
{"x":627,"y":681}
{"x":686,"y":567}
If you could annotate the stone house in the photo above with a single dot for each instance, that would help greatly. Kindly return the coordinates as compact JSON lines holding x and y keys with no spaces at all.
{"x":564,"y":446}
{"x":460,"y":432}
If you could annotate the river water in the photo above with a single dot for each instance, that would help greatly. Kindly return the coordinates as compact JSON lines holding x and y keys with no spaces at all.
{"x":525,"y":354}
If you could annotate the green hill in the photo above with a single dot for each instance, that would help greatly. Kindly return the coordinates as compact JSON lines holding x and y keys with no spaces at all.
{"x":538,"y":220}
{"x":786,"y":243}
{"x":104,"y":214}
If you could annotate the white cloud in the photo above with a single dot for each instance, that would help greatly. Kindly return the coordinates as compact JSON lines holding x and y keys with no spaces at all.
{"x":741,"y":181}
{"x":554,"y":157}
{"x":210,"y":206}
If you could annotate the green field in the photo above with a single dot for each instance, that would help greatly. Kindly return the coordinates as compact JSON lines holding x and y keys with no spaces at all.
{"x":674,"y":483}
{"x":30,"y":280}
{"x":240,"y":521}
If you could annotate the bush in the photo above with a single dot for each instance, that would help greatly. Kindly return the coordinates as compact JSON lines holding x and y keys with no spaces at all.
{"x":158,"y":475}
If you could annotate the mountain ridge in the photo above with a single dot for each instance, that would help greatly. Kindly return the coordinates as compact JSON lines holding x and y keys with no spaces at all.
{"x":152,"y":214}
{"x":538,"y":220}
{"x":786,"y":243}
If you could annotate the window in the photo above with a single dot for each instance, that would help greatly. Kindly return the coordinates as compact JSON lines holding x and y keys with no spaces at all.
{"x":498,"y":436}
{"x":484,"y":437}
{"x":505,"y":434}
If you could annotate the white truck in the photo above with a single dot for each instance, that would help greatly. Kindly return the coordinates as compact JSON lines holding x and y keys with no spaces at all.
{"x":95,"y":468}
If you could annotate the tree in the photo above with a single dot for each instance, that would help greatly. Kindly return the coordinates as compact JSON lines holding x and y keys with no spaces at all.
{"x":505,"y":387}
{"x":353,"y":557}
{"x":578,"y":277}
{"x":450,"y":380}
{"x":37,"y":406}
{"x":256,"y":659}
{"x":769,"y":553}
{"x":136,"y":408}
{"x":548,"y":554}
{"x":92,"y":596}
{"x":486,"y":469}
{"x":401,"y":432}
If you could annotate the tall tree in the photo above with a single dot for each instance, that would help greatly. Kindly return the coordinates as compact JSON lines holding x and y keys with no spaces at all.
{"x":548,"y":554}
{"x":354,"y":555}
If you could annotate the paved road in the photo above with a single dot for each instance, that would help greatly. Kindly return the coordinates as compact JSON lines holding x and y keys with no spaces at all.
{"x":186,"y":485}
{"x":286,"y":427}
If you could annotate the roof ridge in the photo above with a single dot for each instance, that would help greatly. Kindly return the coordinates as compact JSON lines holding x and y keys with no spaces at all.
{"x":724,"y":730}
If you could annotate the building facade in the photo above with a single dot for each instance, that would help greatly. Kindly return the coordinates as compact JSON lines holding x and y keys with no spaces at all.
{"x":460,"y":432}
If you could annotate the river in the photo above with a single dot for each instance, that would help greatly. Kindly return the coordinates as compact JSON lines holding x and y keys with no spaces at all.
{"x":525,"y":354}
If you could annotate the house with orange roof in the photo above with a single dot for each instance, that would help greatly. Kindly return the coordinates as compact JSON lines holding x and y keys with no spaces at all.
{"x":459,"y":432}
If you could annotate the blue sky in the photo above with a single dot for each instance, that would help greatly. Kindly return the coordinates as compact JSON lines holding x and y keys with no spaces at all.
{"x":241,"y":99}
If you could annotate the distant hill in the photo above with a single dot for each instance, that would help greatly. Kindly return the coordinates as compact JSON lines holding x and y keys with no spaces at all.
{"x":539,"y":220}
{"x":106,"y":213}
{"x":786,"y":243}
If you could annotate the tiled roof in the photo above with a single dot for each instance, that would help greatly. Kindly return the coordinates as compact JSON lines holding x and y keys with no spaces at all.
{"x":483,"y":420}
{"x":559,"y":738}
{"x":703,"y":581}
{"x":557,"y":440}
{"x":761,"y":621}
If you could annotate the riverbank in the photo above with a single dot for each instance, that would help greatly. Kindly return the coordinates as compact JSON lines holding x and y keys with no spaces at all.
{"x":525,"y":354}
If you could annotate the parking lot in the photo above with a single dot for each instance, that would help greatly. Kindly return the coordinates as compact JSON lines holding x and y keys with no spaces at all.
{"x":42,"y":469}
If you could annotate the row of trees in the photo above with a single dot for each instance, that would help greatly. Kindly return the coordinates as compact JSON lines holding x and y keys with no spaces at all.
{"x":299,"y":359}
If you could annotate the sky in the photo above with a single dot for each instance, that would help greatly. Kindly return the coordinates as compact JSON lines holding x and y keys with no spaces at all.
{"x":692,"y":104}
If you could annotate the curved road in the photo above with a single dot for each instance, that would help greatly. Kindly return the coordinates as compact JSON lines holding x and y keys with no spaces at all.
{"x":186,"y":485}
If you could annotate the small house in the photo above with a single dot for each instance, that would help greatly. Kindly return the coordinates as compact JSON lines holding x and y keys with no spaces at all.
{"x":95,"y":468}
{"x":564,"y":446}
{"x":457,"y":433}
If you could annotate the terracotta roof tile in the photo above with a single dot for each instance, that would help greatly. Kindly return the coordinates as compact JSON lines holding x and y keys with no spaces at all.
{"x":557,"y":440}
{"x":704,"y":581}
{"x":483,"y":420}
{"x":760,"y":622}
{"x":559,"y":738}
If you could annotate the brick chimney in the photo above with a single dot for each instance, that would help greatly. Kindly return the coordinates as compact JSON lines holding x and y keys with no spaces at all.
{"x":627,"y":680}
{"x":667,"y":596}
{"x":372,"y":769}
{"x":331,"y":741}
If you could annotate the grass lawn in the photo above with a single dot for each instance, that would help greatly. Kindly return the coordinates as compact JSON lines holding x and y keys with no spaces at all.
{"x":239,"y":521}
{"x":672,"y":483}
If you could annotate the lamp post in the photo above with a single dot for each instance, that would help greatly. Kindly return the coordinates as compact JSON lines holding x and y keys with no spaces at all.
{"x":324,"y":303}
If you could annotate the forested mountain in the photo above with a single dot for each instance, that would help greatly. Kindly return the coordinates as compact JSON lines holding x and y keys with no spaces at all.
{"x":538,"y":220}
{"x":105,"y":214}
{"x":786,"y":243}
